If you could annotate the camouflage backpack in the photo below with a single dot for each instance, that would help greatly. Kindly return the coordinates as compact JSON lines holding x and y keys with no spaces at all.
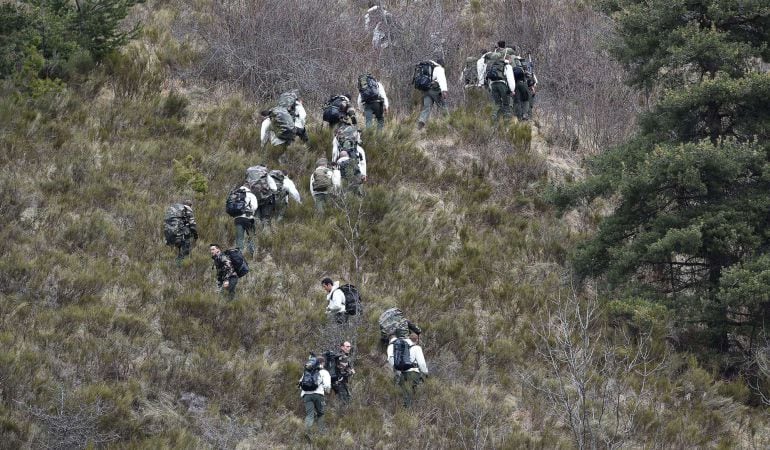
{"x":175,"y":223}
{"x":322,"y":180}
{"x":496,"y":70}
{"x":288,"y":100}
{"x":347,"y":138}
{"x":278,"y":177}
{"x":393,"y":322}
{"x":282,"y":123}
{"x":256,"y":178}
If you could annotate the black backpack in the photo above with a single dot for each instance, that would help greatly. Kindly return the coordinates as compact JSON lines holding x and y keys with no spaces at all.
{"x":352,"y":299}
{"x":311,"y":377}
{"x":402,"y":360}
{"x":333,"y":110}
{"x":236,"y":202}
{"x":239,"y":263}
{"x":368,"y":88}
{"x":496,"y":71}
{"x":332,"y":360}
{"x":423,"y":76}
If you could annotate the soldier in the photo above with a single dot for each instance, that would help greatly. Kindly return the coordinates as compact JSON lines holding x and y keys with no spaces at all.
{"x":227,"y":278}
{"x":344,"y":372}
{"x":180,"y":229}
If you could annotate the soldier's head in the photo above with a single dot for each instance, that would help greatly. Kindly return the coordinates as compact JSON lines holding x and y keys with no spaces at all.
{"x":414,"y":337}
{"x":320,"y":361}
{"x":214,"y":249}
{"x":500,"y":44}
{"x":327,"y":284}
{"x":187,"y":202}
{"x":345,"y":347}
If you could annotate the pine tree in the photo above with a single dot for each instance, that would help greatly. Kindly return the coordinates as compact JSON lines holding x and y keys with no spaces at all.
{"x":693,"y":186}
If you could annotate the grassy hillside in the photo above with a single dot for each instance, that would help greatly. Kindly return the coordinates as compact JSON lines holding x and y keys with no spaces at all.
{"x":106,"y":343}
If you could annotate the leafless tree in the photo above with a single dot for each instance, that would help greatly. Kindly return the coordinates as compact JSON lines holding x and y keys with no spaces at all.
{"x":584,"y":380}
{"x":73,"y":427}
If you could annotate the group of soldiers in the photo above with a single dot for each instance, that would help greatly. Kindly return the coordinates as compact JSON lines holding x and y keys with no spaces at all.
{"x":264,"y":196}
{"x":510,"y":79}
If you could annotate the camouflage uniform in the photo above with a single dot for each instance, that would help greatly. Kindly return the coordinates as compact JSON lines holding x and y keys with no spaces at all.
{"x":344,"y":373}
{"x":189,"y":232}
{"x":225,"y":272}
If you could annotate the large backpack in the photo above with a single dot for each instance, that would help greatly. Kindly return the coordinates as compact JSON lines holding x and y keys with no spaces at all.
{"x":235,"y":205}
{"x":334,"y":109}
{"x":282,"y":123}
{"x":423,"y":76}
{"x":288,"y":100}
{"x":322,"y":181}
{"x":393,"y":322}
{"x":347,"y":139}
{"x":280,"y":192}
{"x":174,"y":223}
{"x":239,"y":263}
{"x":256,"y":178}
{"x":332,"y":359}
{"x":311,"y":377}
{"x":368,"y":88}
{"x":352,"y":299}
{"x":402,"y":360}
{"x":496,"y":70}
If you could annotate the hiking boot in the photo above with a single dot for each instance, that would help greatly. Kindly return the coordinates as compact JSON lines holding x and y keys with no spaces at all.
{"x":420,"y":125}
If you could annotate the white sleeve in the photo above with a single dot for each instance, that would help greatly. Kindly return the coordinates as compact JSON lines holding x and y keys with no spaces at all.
{"x":362,"y":160}
{"x":534,"y":78}
{"x":326,"y":381}
{"x":271,"y":184}
{"x":336,"y":179}
{"x":481,"y":70}
{"x":509,"y":77}
{"x":312,"y":178}
{"x":439,"y":76}
{"x":251,"y":199}
{"x":291,"y":189}
{"x":264,"y":134}
{"x":336,"y":302}
{"x":383,"y":96}
{"x":301,"y":115}
{"x":419,"y":358}
{"x":335,"y":149}
{"x":390,"y":354}
{"x":359,"y":102}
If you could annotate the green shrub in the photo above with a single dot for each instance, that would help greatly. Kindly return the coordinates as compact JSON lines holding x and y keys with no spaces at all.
{"x":187,"y":175}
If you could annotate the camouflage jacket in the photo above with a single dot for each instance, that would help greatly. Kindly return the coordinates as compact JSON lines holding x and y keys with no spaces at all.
{"x":224,"y":268}
{"x":344,"y":369}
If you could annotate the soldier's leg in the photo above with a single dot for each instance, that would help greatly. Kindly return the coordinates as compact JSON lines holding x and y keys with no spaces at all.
{"x":507,"y":108}
{"x":379,"y":113}
{"x":309,"y":410}
{"x":368,"y":114}
{"x":494,"y":92}
{"x":320,"y":404}
{"x":427,"y":104}
{"x":250,"y":228}
{"x":438,"y":99}
{"x":240,"y":231}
